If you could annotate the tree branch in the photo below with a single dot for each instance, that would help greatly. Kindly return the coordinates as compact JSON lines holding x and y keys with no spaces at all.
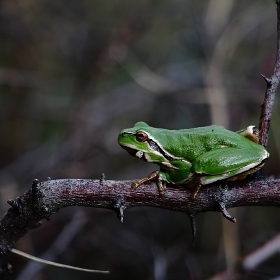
{"x":272,"y":85}
{"x":48,"y":197}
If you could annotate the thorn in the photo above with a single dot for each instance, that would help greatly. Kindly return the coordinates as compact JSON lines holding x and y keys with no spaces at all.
{"x":16,"y":204}
{"x":225,"y":212}
{"x":35,"y":182}
{"x":102,"y":179}
{"x":193,"y":226}
{"x":34,"y":187}
{"x":12,"y":203}
{"x":47,"y":213}
{"x":120,"y":208}
{"x":121,"y":213}
{"x":267,"y":80}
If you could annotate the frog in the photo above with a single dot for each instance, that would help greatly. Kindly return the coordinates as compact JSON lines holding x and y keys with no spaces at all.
{"x":194,"y":157}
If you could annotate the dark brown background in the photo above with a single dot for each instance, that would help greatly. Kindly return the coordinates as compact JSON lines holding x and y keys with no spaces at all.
{"x":75,"y":73}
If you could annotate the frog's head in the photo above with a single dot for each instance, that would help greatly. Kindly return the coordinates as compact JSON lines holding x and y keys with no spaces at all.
{"x":139,"y":141}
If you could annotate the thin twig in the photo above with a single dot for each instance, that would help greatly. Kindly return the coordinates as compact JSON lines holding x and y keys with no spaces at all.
{"x":59,"y":245}
{"x":55,"y":263}
{"x":272,"y":85}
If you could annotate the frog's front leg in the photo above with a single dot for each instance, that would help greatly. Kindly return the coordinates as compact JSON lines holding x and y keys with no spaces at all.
{"x":151,"y":176}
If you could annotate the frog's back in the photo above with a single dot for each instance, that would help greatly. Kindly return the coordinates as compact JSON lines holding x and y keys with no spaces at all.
{"x":190,"y":143}
{"x":204,"y":130}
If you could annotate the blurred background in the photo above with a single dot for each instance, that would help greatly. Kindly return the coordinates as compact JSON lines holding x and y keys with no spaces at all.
{"x":75,"y":73}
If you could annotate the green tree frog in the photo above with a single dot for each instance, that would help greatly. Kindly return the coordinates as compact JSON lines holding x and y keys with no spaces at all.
{"x":196,"y":156}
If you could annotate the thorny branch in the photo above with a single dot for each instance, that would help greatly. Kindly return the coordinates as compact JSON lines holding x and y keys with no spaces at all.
{"x":48,"y":197}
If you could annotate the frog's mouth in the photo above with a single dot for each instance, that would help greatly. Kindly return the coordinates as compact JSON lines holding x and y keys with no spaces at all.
{"x":135,"y":153}
{"x":145,"y":157}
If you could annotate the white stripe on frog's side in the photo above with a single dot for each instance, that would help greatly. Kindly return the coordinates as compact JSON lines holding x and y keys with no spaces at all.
{"x":165,"y":162}
{"x":139,"y":154}
{"x":167,"y":153}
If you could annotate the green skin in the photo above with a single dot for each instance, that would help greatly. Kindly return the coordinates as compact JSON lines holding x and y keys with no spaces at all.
{"x":202,"y":155}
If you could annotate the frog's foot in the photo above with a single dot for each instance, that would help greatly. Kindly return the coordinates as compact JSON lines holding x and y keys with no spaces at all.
{"x":161,"y":187}
{"x":225,"y":212}
{"x":139,"y":182}
{"x":153,"y":175}
{"x":195,"y":190}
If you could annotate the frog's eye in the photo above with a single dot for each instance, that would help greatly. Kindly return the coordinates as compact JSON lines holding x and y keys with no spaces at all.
{"x":141,"y":136}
